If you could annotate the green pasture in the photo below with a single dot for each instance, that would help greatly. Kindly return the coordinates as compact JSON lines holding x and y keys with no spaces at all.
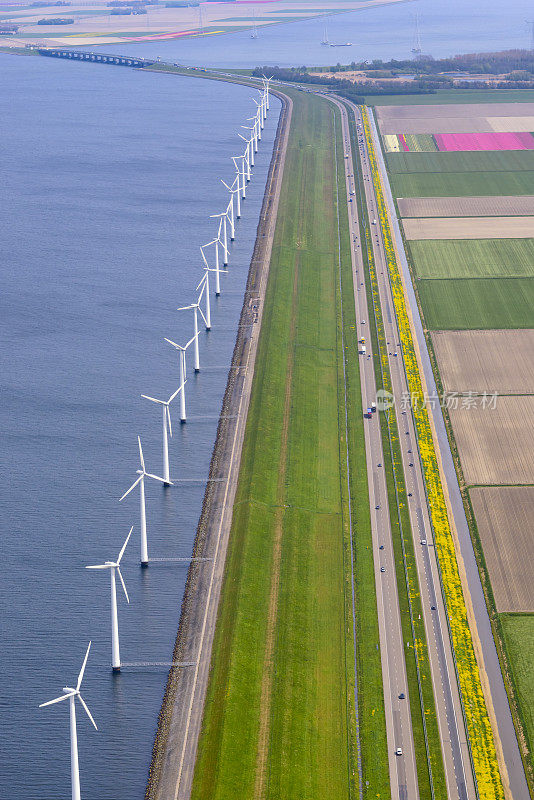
{"x":462,"y":184}
{"x":472,"y":258}
{"x":451,"y":96}
{"x":457,"y":161}
{"x":477,"y":303}
{"x":518,"y":633}
{"x":292,"y":490}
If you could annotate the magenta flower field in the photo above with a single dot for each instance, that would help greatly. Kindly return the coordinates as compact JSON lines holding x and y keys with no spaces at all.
{"x":484,"y":141}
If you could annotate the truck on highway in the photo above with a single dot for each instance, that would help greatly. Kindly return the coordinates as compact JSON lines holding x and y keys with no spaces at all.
{"x":361,"y":349}
{"x":369,"y":413}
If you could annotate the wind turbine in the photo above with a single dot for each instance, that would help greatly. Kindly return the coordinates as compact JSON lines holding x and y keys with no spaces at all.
{"x":142,"y":503}
{"x":71,"y":695}
{"x":195,"y":307}
{"x":249,"y":150}
{"x":240,"y":174}
{"x":114,"y":570}
{"x":167,"y":424}
{"x":223,"y":217}
{"x":217,"y":270}
{"x":230,"y":216}
{"x":235,"y":188}
{"x":266,"y":82}
{"x":183,"y":373}
{"x":260,"y":110}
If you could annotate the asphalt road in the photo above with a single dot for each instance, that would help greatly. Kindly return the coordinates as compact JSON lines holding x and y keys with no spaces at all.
{"x":402,"y":768}
{"x":459,"y":776}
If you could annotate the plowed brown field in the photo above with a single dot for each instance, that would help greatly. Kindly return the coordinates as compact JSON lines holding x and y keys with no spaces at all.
{"x":504,"y":519}
{"x":486,"y":361}
{"x":469,"y":228}
{"x":496,"y":446}
{"x":466,"y":206}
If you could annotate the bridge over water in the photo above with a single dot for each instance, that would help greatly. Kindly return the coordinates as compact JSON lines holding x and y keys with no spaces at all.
{"x":102,"y":58}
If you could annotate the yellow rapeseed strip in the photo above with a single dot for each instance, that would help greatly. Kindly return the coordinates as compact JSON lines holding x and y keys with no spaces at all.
{"x":479,"y":728}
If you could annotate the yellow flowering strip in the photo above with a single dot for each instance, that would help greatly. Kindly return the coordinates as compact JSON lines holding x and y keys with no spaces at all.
{"x":478,"y":725}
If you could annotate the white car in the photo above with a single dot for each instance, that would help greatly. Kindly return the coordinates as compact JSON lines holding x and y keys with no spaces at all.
{"x":423,"y":541}
{"x":398,"y":751}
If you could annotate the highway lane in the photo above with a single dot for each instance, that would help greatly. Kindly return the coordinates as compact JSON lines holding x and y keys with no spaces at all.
{"x":402,"y":768}
{"x":460,"y":783}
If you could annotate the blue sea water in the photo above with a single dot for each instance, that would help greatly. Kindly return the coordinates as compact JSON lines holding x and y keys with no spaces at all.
{"x":387,"y":31}
{"x":108,"y":179}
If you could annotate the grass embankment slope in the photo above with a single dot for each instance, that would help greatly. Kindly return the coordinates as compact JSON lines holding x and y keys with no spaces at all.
{"x":279,"y":719}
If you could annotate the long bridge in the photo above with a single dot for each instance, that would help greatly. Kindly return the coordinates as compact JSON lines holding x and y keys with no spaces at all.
{"x":102,"y":58}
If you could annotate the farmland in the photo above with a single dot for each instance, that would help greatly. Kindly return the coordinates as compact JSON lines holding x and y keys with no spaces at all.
{"x":470,"y":228}
{"x":478,"y":161}
{"x":465,"y":206}
{"x":504,"y":518}
{"x":473,"y":258}
{"x":452,"y":184}
{"x":496,"y":444}
{"x":518,"y":632}
{"x":486,"y":361}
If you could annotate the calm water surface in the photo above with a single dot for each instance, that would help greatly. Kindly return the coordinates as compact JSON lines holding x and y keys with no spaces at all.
{"x":108,"y":178}
{"x":447,"y":28}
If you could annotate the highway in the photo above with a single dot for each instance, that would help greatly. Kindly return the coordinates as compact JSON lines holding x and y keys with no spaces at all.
{"x":460,"y":783}
{"x":402,"y":767}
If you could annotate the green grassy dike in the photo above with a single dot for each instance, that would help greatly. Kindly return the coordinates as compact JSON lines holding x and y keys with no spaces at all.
{"x":279,"y":718}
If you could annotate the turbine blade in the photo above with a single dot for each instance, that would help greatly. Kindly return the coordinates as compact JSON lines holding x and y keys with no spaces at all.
{"x":203,"y":316}
{"x":225,"y":184}
{"x":123,"y":584}
{"x":156,"y":478}
{"x":98,"y":566}
{"x":189,"y":343}
{"x":185,"y":308}
{"x":169,"y":423}
{"x":141,"y":454}
{"x":154,"y":399}
{"x":84,"y":704}
{"x":173,"y":343}
{"x":203,"y":256}
{"x":57,"y":700}
{"x":80,"y":676}
{"x":171,"y":398}
{"x":124,"y":546}
{"x":140,"y":478}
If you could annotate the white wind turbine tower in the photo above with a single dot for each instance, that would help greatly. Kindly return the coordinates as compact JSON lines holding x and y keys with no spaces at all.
{"x":253,"y":136}
{"x":195,"y":308}
{"x":183,"y":373}
{"x":71,"y":695}
{"x":266,"y":82}
{"x":223,"y":219}
{"x":217,"y":270}
{"x":167,"y":426}
{"x":234,"y":189}
{"x":142,"y":503}
{"x":114,"y":570}
{"x":256,"y":123}
{"x":260,"y":111}
{"x":240,"y":174}
{"x":230,"y":216}
{"x":249,"y":150}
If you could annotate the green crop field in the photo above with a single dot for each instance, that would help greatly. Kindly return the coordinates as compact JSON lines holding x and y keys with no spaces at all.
{"x":279,"y":718}
{"x":476,"y":161}
{"x":518,"y":630}
{"x":448,"y":96}
{"x":477,"y":303}
{"x":472,"y":258}
{"x":461,"y":184}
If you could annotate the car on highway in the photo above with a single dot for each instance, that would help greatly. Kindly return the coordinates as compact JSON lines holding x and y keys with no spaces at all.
{"x":402,"y":696}
{"x":382,"y":569}
{"x":423,"y":541}
{"x":398,"y":751}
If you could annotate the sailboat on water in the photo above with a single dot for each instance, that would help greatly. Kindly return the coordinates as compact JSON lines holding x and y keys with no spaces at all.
{"x":325,"y":36}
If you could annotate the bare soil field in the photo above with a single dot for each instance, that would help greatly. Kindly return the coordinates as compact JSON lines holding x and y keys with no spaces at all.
{"x":511,"y":124}
{"x":496,"y":445}
{"x":469,"y":228}
{"x":486,"y":361}
{"x":504,"y":519}
{"x":469,"y":118}
{"x":466,"y":110}
{"x":466,"y":206}
{"x":436,"y":125}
